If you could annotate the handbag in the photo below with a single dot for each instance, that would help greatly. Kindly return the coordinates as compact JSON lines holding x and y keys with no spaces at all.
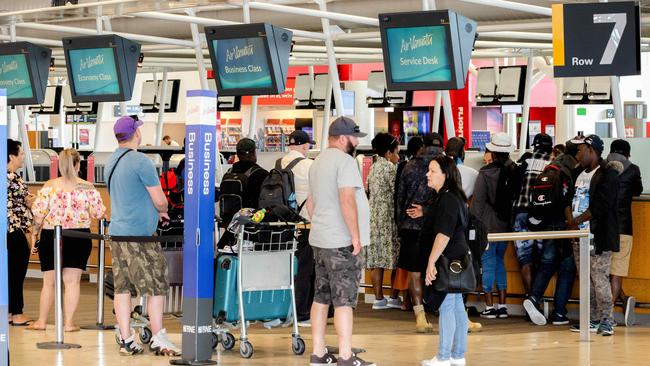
{"x":456,"y":276}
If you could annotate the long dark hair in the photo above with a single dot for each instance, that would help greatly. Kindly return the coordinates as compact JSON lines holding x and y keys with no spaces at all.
{"x":452,"y":176}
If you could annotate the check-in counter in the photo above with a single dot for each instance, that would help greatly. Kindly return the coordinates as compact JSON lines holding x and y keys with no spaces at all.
{"x":46,"y":164}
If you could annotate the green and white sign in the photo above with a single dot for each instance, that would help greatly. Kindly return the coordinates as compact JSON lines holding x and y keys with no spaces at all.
{"x":14,"y":76}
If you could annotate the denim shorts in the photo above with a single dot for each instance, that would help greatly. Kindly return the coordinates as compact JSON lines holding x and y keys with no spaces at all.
{"x":528,"y":251}
{"x":338,"y":275}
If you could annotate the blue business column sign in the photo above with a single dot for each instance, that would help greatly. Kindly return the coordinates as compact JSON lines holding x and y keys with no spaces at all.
{"x":198,"y":248}
{"x":4,"y":301}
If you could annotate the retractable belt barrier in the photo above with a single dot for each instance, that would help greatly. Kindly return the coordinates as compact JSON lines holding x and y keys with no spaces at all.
{"x":139,"y":239}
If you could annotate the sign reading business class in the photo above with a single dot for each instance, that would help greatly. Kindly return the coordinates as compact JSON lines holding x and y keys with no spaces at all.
{"x":245,"y":63}
{"x":596,"y":39}
{"x":94,"y":71}
{"x":418,"y":54}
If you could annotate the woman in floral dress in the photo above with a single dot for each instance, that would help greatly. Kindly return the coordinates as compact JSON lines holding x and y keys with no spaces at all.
{"x":382,"y":252}
{"x":72,"y":203}
{"x":19,"y":220}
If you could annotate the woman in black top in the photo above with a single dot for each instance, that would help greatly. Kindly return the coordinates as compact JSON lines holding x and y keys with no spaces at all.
{"x":443,"y":233}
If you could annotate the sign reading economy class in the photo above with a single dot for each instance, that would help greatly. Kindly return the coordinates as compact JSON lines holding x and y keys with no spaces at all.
{"x":596,"y":39}
{"x":244,"y":63}
{"x":14,"y":76}
{"x":418,"y":54}
{"x":94,"y":71}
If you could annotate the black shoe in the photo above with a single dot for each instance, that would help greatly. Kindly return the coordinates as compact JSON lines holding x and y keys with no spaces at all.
{"x":327,"y":360}
{"x":502,"y":313}
{"x":354,"y":361}
{"x":532,"y":310}
{"x":489,"y":313}
{"x":593,"y":326}
{"x":558,"y":319}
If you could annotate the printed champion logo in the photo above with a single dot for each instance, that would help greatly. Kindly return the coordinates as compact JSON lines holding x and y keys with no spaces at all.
{"x":357,"y":363}
{"x":541,"y":198}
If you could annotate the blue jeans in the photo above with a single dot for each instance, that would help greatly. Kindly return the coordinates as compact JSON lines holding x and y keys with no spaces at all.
{"x":493,"y":266}
{"x":452,"y":325}
{"x":527,"y":250}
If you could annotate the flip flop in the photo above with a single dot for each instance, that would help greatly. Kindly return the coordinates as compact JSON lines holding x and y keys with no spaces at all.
{"x":23,"y":324}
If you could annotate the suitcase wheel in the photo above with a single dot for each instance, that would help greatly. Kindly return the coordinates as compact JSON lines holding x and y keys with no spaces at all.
{"x":298,"y":346}
{"x":246,"y":349}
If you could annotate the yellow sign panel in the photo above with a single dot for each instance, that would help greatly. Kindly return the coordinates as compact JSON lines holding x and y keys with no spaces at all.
{"x":558,"y":34}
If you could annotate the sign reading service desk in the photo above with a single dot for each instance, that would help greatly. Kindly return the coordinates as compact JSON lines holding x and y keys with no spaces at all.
{"x":596,"y":39}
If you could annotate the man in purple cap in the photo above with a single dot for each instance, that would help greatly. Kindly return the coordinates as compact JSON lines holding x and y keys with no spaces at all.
{"x":137,"y":204}
{"x":339,"y":212}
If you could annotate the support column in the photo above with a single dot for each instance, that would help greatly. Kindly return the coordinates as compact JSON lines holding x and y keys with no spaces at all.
{"x":161,"y":107}
{"x":618,"y":107}
{"x":326,"y":117}
{"x":436,"y":110}
{"x":523,"y":137}
{"x":331,"y":62}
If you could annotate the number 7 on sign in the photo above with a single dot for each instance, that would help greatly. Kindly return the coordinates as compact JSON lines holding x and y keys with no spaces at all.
{"x":620,"y":21}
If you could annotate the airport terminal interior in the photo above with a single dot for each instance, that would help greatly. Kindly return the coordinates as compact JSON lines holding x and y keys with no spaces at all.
{"x":204,"y":78}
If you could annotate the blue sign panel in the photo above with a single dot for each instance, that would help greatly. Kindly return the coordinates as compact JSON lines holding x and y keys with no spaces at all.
{"x":242,"y":63}
{"x":4,"y":288}
{"x":14,"y":77}
{"x":419,"y":54}
{"x":94,"y":71}
{"x":198,"y":247}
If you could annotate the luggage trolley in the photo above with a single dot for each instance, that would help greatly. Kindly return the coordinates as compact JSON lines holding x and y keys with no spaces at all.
{"x":266,"y":262}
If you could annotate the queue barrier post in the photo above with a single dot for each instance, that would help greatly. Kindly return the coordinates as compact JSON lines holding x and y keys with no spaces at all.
{"x":58,"y":297}
{"x":101,"y":270}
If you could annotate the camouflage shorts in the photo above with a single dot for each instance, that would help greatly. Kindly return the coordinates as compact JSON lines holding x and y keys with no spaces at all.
{"x":338,"y":274}
{"x":141,"y":266}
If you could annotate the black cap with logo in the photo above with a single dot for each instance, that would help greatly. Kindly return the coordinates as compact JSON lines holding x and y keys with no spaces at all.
{"x":299,"y":137}
{"x":246,"y":146}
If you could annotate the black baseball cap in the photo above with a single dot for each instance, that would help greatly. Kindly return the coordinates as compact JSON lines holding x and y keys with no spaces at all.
{"x":344,"y":126}
{"x":299,"y":137}
{"x":542,"y":141}
{"x":592,"y":140}
{"x":246,"y":146}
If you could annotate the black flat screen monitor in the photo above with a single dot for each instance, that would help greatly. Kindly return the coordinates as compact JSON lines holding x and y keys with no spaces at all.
{"x":24,"y":68}
{"x":249,"y":59}
{"x":427,"y":50}
{"x":101,"y":68}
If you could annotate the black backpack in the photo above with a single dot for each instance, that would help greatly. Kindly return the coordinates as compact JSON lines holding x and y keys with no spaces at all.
{"x":279,"y":188}
{"x":548,"y":194}
{"x":231,"y":193}
{"x":477,"y":241}
{"x":508,"y":187}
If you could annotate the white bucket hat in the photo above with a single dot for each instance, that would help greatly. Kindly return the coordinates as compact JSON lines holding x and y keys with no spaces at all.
{"x":500,"y":142}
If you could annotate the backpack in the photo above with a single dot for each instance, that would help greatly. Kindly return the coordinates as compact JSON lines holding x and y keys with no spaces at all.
{"x":477,"y":241}
{"x":174,"y":193}
{"x":508,"y":187}
{"x":548,"y":194}
{"x":231,"y":192}
{"x":279,"y":189}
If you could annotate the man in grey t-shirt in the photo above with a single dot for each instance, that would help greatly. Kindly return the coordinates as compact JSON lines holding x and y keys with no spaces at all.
{"x":340,"y":227}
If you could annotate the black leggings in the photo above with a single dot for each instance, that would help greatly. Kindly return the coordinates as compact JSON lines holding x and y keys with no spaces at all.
{"x":18,"y":259}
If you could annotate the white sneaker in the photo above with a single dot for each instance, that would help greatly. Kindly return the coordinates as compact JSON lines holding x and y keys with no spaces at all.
{"x":162,"y":346}
{"x":457,"y":361}
{"x":394,"y":303}
{"x":380,"y":304}
{"x":129,"y":346}
{"x":436,"y":362}
{"x":305,"y":323}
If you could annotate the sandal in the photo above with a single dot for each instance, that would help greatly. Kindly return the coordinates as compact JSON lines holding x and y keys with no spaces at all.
{"x":34,"y":327}
{"x":22,"y":324}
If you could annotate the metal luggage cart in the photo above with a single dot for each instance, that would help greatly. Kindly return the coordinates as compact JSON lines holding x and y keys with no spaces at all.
{"x":266,"y":262}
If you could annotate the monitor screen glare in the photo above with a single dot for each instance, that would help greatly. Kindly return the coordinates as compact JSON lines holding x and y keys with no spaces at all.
{"x":14,"y":76}
{"x":94,"y":71}
{"x":243,"y":63}
{"x":419,"y":54}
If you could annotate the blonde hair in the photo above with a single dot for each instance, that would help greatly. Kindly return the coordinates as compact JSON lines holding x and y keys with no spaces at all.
{"x":68,"y":159}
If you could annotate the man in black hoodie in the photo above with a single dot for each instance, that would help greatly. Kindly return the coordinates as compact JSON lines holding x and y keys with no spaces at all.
{"x":630,"y":185}
{"x":595,"y":205}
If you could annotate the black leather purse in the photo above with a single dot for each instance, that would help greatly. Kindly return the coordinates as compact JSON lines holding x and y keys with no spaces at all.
{"x":456,"y":276}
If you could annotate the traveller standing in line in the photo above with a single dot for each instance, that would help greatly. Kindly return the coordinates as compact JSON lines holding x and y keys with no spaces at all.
{"x":489,"y":189}
{"x":19,"y":220}
{"x":340,"y":228}
{"x":630,"y":185}
{"x":528,"y":251}
{"x":299,"y":145}
{"x":382,"y":252}
{"x":138,"y":203}
{"x":413,"y":193}
{"x":69,"y":202}
{"x":456,"y":150}
{"x":443,"y":233}
{"x":595,"y":208}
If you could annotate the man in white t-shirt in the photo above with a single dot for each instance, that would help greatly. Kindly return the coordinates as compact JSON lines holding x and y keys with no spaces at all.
{"x":340,"y":217}
{"x":299,"y":145}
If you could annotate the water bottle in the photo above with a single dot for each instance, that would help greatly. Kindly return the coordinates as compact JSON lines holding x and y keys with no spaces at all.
{"x":258,"y":216}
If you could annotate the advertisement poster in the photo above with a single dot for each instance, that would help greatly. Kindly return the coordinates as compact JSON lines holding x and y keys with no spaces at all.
{"x":84,"y":136}
{"x":418,"y":54}
{"x":395,"y":129}
{"x":243,"y":63}
{"x":416,"y":123}
{"x":94,"y":71}
{"x":14,"y":76}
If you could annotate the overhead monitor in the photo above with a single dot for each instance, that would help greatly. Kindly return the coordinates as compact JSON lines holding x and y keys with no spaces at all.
{"x":426,"y":50}
{"x":101,"y":68}
{"x":24,"y":68}
{"x":228,"y":103}
{"x":319,"y":93}
{"x":378,"y":97}
{"x":249,"y":59}
{"x":73,"y":108}
{"x":587,"y":90}
{"x":302,"y":91}
{"x":511,"y":86}
{"x":486,"y":85}
{"x":51,"y":103}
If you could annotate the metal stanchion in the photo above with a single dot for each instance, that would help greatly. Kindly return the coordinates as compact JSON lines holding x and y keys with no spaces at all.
{"x":99,"y":325}
{"x":58,"y":305}
{"x":585,"y":287}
